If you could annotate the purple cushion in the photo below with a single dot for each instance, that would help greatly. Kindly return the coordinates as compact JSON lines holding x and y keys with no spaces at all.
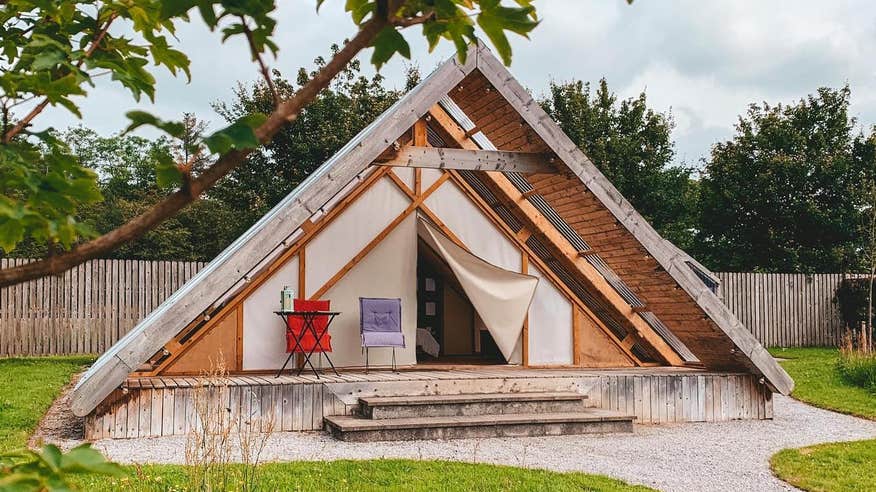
{"x":381,"y":322}
{"x":383,"y":339}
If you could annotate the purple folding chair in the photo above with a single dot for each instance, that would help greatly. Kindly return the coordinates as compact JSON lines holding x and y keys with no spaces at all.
{"x":380,"y":325}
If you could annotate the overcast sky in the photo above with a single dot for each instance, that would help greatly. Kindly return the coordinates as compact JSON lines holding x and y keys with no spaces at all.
{"x":706,"y":61}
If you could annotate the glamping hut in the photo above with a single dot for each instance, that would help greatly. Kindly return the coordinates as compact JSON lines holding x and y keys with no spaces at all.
{"x":519,"y":282}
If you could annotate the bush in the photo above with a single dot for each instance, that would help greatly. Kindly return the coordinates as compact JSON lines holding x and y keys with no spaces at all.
{"x":851,"y":299}
{"x":857,"y":362}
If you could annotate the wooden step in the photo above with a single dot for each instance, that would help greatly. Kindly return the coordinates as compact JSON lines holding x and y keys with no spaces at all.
{"x":394,"y":407}
{"x":586,"y":421}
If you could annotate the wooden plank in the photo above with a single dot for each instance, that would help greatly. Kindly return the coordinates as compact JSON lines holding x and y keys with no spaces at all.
{"x":470,"y":160}
{"x":663,"y":252}
{"x":225,"y":270}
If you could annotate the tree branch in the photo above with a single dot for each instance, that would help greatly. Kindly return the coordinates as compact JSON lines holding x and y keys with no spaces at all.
{"x":266,"y":74}
{"x":22,"y":124}
{"x":286,"y":112}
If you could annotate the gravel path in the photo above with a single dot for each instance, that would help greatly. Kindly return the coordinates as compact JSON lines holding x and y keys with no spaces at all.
{"x":683,"y":457}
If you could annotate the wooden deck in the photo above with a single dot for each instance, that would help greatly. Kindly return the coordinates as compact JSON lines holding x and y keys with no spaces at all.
{"x":157,"y":406}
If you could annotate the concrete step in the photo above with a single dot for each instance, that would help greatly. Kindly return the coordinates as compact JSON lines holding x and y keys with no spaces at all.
{"x":395,"y":407}
{"x":586,"y":421}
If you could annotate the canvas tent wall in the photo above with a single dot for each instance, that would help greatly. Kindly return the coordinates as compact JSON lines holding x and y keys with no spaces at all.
{"x":627,"y":289}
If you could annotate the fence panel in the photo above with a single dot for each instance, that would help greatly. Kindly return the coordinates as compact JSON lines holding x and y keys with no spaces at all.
{"x":87,"y":309}
{"x":786,"y":309}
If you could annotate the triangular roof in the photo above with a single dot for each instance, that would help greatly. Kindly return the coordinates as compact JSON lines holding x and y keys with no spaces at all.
{"x":724,"y":341}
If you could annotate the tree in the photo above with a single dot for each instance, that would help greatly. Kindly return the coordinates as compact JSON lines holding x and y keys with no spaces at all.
{"x":785,"y":193}
{"x":631,"y":144}
{"x":336,"y":115}
{"x":51,"y":51}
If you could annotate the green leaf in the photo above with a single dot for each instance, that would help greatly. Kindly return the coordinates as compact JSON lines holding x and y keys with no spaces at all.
{"x":47,"y":59}
{"x":387,"y":43}
{"x":140,"y":118}
{"x":495,"y":19}
{"x":85,"y":459}
{"x":11,"y":233}
{"x":167,"y":174}
{"x":239,"y":135}
{"x":176,"y":8}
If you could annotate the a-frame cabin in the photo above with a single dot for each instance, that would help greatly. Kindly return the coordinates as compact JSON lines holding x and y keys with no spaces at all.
{"x":466,"y":169}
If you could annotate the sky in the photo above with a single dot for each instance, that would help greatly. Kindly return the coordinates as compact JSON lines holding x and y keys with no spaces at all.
{"x":703,"y":61}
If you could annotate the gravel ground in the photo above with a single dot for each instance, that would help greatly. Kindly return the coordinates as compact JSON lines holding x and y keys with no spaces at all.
{"x":683,"y":457}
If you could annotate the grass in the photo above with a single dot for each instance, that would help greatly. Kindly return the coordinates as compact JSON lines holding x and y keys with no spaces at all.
{"x":819,"y":383}
{"x":28,"y":385}
{"x":377,"y":475}
{"x":835,"y":466}
{"x":829,"y":467}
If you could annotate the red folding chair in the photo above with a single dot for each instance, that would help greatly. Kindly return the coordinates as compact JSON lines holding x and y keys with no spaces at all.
{"x":306,"y":339}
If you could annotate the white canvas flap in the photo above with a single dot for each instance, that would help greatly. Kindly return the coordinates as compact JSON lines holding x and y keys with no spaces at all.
{"x":501,"y":297}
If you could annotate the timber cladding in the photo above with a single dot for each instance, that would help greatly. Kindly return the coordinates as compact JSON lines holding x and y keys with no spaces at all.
{"x":86,"y":309}
{"x":149,"y":407}
{"x":596,"y":224}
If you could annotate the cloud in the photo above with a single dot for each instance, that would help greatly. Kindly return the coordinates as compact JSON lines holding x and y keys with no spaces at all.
{"x":705,"y":60}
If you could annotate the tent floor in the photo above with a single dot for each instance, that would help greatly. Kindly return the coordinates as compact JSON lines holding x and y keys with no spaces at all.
{"x":166,"y":405}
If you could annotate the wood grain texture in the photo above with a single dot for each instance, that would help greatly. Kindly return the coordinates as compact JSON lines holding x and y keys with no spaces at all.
{"x":469,"y":159}
{"x":164,"y":406}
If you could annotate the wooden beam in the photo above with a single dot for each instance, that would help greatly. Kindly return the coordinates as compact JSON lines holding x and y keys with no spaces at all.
{"x":420,"y":137}
{"x":527,"y":256}
{"x":302,"y":273}
{"x":470,"y":159}
{"x":569,"y":256}
{"x":578,"y":163}
{"x":524,"y":268}
{"x":225,"y":271}
{"x":528,"y":193}
{"x":541,"y":265}
{"x":380,"y":236}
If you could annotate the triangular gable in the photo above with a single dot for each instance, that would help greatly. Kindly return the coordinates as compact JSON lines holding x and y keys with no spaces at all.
{"x":228,"y":270}
{"x":723,"y":340}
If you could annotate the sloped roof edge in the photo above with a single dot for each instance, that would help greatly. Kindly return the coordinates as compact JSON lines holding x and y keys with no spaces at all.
{"x":671,"y":258}
{"x":245,"y":253}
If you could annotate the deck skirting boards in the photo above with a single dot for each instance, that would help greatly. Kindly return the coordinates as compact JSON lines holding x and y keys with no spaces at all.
{"x":161,"y":406}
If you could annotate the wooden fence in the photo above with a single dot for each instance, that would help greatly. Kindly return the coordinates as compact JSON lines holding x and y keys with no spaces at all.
{"x":786,"y":309}
{"x":88,"y":308}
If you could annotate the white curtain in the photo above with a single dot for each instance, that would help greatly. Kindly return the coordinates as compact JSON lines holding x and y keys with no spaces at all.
{"x":501,"y":297}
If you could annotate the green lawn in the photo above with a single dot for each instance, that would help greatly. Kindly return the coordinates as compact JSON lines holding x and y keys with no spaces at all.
{"x":818,"y":382}
{"x":29,"y":385}
{"x":835,"y":466}
{"x":378,"y":475}
{"x":27,"y":388}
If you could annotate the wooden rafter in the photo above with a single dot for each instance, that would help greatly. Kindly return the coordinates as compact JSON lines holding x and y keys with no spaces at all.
{"x":568,"y":255}
{"x":528,"y":253}
{"x":542,"y":266}
{"x":415,"y":203}
{"x":469,"y":159}
{"x":311,"y":229}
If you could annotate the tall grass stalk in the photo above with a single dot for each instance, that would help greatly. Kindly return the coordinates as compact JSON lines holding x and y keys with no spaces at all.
{"x":220,"y":435}
{"x":857,"y":362}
